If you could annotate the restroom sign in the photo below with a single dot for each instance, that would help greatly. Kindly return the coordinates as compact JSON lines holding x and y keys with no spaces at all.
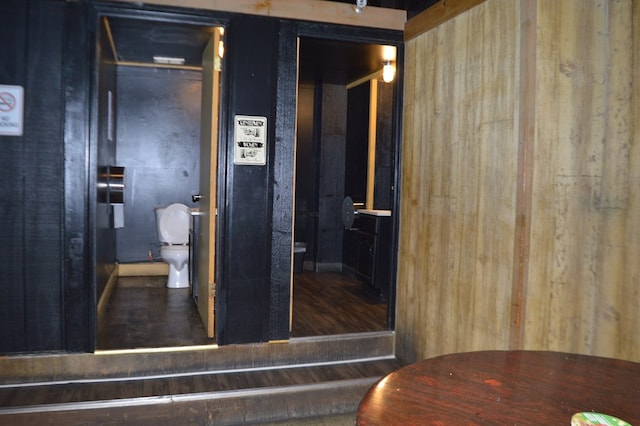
{"x":11,"y":110}
{"x":250,"y":141}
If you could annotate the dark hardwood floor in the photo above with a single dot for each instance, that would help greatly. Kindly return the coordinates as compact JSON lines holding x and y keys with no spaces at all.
{"x":334,"y":303}
{"x":143,"y":313}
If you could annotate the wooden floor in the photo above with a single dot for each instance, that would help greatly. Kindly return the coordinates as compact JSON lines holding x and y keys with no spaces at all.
{"x":143,"y":313}
{"x":334,"y":303}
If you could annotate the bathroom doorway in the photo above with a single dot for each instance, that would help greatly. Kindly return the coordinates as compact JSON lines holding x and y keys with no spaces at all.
{"x":158,"y":97}
{"x":149,"y":122}
{"x":345,"y":164}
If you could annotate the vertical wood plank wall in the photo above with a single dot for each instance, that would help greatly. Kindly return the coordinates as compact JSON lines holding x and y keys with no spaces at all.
{"x":584,"y":272}
{"x":520,"y":203}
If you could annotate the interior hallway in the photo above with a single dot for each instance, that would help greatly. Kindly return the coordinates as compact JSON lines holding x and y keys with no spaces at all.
{"x":143,"y":313}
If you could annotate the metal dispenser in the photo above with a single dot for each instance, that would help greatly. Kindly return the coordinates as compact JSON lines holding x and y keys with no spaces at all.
{"x":111,"y":191}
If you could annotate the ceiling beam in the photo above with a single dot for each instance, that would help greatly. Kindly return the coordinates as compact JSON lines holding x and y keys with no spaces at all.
{"x":437,"y":14}
{"x":305,"y":10}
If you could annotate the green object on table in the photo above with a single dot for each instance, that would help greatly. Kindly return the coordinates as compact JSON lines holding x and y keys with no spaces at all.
{"x":589,"y":419}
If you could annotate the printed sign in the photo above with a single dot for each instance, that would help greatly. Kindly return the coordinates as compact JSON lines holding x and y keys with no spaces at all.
{"x":250,"y":140}
{"x":11,"y":107}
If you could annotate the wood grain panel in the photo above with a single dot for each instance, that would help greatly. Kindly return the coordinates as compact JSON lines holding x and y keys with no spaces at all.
{"x":436,"y":15}
{"x":629,"y":326}
{"x":458,"y":193}
{"x":520,"y":181}
{"x":583,"y":281}
{"x":306,"y":10}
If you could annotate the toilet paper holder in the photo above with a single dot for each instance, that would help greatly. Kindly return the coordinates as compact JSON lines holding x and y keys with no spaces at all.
{"x":111,"y":185}
{"x":111,"y":192}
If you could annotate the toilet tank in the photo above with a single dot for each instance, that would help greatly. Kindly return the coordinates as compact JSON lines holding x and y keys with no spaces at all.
{"x":173,"y":223}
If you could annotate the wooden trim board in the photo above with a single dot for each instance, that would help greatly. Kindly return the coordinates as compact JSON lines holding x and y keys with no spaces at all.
{"x":143,"y":269}
{"x":106,"y":293}
{"x":437,"y":14}
{"x":305,"y":10}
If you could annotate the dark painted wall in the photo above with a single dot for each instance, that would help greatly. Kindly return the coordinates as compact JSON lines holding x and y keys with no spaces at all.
{"x":43,"y":246}
{"x":244,"y":291}
{"x":106,"y":143}
{"x":306,"y":207}
{"x":385,"y":148}
{"x":281,"y":214}
{"x":320,"y":172}
{"x":32,"y":169}
{"x":158,"y":144}
{"x":355,"y":184}
{"x":331,"y":164}
{"x":49,"y":210}
{"x":332,"y":175}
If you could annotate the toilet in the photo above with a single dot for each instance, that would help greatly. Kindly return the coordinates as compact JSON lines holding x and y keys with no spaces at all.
{"x":173,"y":223}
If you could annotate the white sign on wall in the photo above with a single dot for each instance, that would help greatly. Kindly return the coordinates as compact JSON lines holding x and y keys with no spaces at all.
{"x":250,"y":142}
{"x":11,"y":110}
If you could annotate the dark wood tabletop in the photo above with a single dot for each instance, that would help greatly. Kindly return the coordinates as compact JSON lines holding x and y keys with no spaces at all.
{"x":504,"y":388}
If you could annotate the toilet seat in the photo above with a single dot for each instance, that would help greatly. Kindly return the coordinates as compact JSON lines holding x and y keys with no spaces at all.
{"x":174,"y":224}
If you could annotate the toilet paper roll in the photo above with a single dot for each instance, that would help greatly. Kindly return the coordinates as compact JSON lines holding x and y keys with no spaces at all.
{"x":118,"y":216}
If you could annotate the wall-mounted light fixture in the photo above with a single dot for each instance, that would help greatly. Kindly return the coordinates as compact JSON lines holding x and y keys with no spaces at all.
{"x":360,"y":4}
{"x":388,"y":62}
{"x":221,"y":43}
{"x":166,"y":60}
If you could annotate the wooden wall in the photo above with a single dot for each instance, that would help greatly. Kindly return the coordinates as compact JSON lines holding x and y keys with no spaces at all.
{"x":520,"y":195}
{"x":584,"y":274}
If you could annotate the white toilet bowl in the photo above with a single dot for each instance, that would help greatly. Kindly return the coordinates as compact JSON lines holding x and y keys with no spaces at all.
{"x":173,"y":224}
{"x":177,"y":256}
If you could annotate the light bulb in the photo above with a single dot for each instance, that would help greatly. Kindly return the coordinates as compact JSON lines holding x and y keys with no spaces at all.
{"x":388,"y":72}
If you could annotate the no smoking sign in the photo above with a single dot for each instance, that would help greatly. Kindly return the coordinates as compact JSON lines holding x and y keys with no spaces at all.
{"x":11,"y":110}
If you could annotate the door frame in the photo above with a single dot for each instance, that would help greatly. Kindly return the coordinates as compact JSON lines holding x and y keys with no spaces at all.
{"x":210,"y":136}
{"x":341,"y":33}
{"x":95,"y":14}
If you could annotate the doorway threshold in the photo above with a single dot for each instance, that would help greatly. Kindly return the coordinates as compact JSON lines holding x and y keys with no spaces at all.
{"x":156,"y":350}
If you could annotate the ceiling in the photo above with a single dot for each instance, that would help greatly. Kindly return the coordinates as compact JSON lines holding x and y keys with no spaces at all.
{"x":337,"y":62}
{"x":138,"y":40}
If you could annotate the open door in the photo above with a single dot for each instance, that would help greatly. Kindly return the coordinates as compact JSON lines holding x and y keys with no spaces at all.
{"x":211,"y":66}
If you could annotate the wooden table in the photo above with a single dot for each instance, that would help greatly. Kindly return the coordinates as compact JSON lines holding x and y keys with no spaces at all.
{"x":504,"y":388}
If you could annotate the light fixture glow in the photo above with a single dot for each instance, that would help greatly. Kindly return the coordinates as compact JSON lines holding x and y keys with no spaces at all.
{"x":388,"y":53}
{"x":388,"y":62}
{"x":166,"y":60}
{"x":360,"y":4}
{"x":388,"y":72}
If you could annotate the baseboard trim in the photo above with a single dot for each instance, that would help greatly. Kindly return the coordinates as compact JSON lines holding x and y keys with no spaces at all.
{"x":143,"y":269}
{"x":328,"y":267}
{"x":106,"y":293}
